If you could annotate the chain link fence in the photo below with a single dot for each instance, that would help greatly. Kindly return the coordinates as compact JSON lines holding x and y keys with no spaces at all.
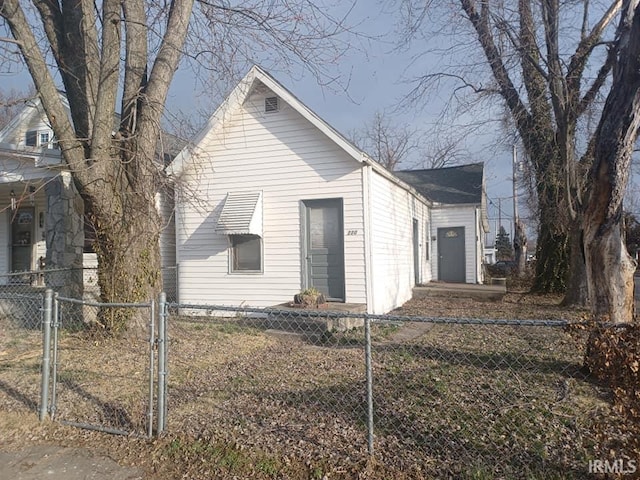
{"x":431,"y":397}
{"x":99,"y":381}
{"x":20,"y":341}
{"x":482,"y":399}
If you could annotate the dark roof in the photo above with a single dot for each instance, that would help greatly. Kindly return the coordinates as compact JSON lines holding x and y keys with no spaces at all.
{"x":453,"y":185}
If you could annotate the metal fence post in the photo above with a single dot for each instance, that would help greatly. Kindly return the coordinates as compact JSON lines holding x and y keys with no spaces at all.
{"x":46,"y":352}
{"x":162,"y":332}
{"x":54,"y":359}
{"x":165,"y":320}
{"x":367,"y":352}
{"x":152,"y":341}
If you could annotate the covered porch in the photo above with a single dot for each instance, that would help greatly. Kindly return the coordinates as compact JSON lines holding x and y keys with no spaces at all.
{"x":41,"y":219}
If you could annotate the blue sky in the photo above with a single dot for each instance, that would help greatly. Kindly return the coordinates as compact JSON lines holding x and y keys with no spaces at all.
{"x":377,"y":81}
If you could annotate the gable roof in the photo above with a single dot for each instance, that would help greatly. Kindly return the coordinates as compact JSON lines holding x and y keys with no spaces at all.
{"x":254,"y":79}
{"x":237,"y":97}
{"x":457,"y":185}
{"x":31,"y":107}
{"x":12,"y":136}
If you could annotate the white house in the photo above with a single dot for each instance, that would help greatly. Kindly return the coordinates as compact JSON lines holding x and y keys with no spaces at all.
{"x":41,"y":214}
{"x":271,"y":200}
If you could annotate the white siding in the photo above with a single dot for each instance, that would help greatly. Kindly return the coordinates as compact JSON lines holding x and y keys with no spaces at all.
{"x":392,"y":262}
{"x":289,"y":160}
{"x":426,"y":245}
{"x":457,"y":216}
{"x":479,"y":247}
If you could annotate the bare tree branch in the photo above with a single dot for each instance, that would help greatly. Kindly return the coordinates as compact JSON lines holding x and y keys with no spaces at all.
{"x":387,"y":142}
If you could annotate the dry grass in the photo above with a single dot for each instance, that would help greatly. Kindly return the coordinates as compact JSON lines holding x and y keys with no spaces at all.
{"x":249,"y":399}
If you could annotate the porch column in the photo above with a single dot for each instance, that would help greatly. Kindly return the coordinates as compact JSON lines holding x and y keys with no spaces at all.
{"x":65,"y":236}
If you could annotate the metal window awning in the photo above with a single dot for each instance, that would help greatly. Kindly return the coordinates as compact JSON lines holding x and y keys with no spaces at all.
{"x":241,"y":214}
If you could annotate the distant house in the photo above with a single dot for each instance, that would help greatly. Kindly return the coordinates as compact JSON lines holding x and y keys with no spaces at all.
{"x":271,"y":200}
{"x":41,"y":214}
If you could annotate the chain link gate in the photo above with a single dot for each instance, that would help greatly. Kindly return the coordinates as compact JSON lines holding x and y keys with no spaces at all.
{"x":111,"y":389}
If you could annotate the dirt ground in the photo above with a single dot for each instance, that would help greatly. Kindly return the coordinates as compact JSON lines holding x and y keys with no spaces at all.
{"x":62,"y":463}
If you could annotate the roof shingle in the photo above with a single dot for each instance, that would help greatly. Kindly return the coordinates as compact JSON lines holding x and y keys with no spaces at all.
{"x":453,"y":185}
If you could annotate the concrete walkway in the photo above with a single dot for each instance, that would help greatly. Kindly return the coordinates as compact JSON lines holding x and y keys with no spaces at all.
{"x":466,"y":290}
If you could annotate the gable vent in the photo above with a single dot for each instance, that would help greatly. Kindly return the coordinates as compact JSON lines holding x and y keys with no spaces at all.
{"x":271,"y":104}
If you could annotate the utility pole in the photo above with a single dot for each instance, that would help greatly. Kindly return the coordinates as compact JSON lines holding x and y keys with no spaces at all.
{"x":499,"y":217}
{"x":519,"y":236}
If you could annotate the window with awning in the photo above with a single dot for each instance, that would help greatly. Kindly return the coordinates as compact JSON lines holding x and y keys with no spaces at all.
{"x":241,"y":220}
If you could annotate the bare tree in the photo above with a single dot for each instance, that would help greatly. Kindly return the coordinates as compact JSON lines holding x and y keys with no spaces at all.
{"x":392,"y":142}
{"x":389,"y":143}
{"x":441,"y":150}
{"x":129,"y":50}
{"x":548,"y":85}
{"x":10,"y":102}
{"x":609,"y":267}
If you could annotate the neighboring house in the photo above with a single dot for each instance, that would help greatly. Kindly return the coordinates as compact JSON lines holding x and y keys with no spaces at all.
{"x":41,"y":214}
{"x":271,"y":200}
{"x":459,"y":219}
{"x":490,"y":255}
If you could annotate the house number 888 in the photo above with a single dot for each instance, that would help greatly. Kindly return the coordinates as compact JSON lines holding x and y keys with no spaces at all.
{"x":352,"y":232}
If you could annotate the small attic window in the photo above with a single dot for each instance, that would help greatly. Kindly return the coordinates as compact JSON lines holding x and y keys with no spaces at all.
{"x":40,"y":138}
{"x":271,"y":104}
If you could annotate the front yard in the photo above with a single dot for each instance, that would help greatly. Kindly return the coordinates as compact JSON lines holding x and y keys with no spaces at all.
{"x":248,"y":400}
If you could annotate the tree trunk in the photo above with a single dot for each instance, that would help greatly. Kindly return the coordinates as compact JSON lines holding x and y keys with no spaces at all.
{"x":610,"y":271}
{"x":128,"y":228}
{"x":551,"y":260}
{"x":610,"y":268}
{"x":577,"y":293}
{"x":129,"y":271}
